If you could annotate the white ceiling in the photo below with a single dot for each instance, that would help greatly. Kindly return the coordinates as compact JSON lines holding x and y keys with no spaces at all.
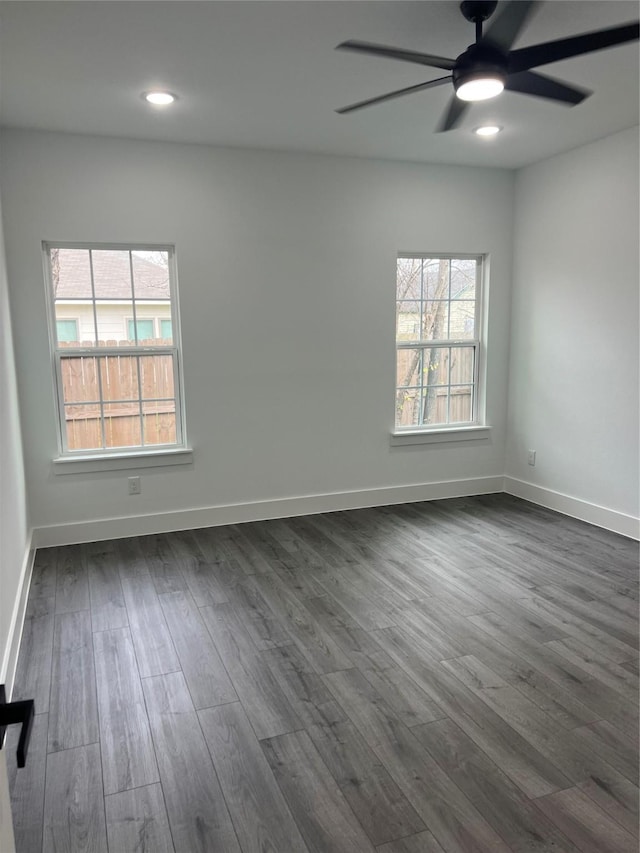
{"x":264,"y":74}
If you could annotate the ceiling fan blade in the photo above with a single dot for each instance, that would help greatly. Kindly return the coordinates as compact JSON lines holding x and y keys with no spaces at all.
{"x":504,"y":30}
{"x":397,"y":94}
{"x":453,"y":116}
{"x":397,"y":53}
{"x":553,"y":51}
{"x":530,"y":83}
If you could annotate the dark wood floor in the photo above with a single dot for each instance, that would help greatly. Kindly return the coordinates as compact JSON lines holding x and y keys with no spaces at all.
{"x":459,"y":675}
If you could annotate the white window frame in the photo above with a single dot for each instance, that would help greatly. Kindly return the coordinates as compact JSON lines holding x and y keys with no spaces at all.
{"x":476,"y":428}
{"x":117,"y":457}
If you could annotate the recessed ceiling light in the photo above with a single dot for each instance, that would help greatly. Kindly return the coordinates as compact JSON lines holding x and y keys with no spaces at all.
{"x":480,"y":88}
{"x":159,"y":99}
{"x":488,"y":130}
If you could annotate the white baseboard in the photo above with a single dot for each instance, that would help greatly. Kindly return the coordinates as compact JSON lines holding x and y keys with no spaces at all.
{"x":190,"y":519}
{"x":10,"y":657}
{"x":610,"y":519}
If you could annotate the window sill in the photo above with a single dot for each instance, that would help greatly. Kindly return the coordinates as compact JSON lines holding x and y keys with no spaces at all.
{"x":89,"y":463}
{"x":440,"y":436}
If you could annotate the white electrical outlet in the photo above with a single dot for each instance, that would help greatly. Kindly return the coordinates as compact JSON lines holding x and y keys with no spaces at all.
{"x":135,"y":486}
{"x":531,"y":457}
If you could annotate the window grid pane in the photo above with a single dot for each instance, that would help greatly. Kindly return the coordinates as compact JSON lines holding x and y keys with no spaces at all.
{"x":436,"y":376}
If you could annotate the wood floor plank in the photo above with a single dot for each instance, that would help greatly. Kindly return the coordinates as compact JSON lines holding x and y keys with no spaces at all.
{"x":206,"y":676}
{"x":591,"y":636}
{"x":203,"y":581}
{"x":518,"y":759}
{"x":469,"y":638}
{"x":152,"y":641}
{"x":424,"y":629}
{"x":554,"y":699}
{"x":316,"y":540}
{"x":563,"y":748}
{"x":253,"y":548}
{"x":163,"y":566}
{"x":259,"y":812}
{"x":307,"y":693}
{"x":27,"y":785}
{"x":264,"y":702}
{"x":631,"y":666}
{"x":74,"y":819}
{"x":198,"y":816}
{"x":616,"y":796}
{"x":301,"y":581}
{"x":199,"y":572}
{"x":359,"y":646}
{"x":404,"y":697}
{"x":612,"y":746}
{"x":616,"y":624}
{"x":620,"y":604}
{"x":382,"y":809}
{"x":73,"y":714}
{"x":137,"y":821}
{"x":449,"y":815}
{"x":128,"y":758}
{"x":300,"y":547}
{"x":580,"y":819}
{"x":325,"y":820}
{"x":132,"y":560}
{"x":598,"y":666}
{"x":380,"y":605}
{"x":44,"y":574}
{"x":423,"y":842}
{"x":369,"y":611}
{"x":33,"y":673}
{"x":108,"y":609}
{"x":212,"y":543}
{"x":266,"y":631}
{"x":604,"y":702}
{"x":312,"y":640}
{"x":506,"y":701}
{"x":503,"y":805}
{"x":409,"y":701}
{"x":264,"y":627}
{"x":72,"y":583}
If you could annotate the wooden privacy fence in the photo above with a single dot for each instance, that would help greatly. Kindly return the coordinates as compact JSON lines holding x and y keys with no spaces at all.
{"x":137,"y":394}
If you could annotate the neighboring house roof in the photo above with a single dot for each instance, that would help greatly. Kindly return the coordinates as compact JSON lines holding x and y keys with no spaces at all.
{"x":111,"y":275}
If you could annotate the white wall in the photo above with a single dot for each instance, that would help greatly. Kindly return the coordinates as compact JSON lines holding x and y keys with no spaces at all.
{"x":286,"y":269}
{"x":13,"y":513}
{"x":573,"y":391}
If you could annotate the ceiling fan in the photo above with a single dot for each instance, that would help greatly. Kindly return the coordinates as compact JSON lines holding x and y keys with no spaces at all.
{"x":489,"y":65}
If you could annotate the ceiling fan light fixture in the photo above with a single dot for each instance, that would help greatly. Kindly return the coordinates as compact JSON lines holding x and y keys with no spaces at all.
{"x":479,"y":87}
{"x":159,"y":99}
{"x":488,"y":130}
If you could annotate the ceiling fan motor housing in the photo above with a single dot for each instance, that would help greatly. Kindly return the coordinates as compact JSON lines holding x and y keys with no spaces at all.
{"x":478,"y":61}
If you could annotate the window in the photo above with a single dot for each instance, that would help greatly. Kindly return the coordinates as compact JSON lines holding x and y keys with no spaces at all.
{"x":437,"y":341}
{"x":143,"y":330}
{"x":67,"y":330}
{"x":117,"y":370}
{"x":150,"y":327}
